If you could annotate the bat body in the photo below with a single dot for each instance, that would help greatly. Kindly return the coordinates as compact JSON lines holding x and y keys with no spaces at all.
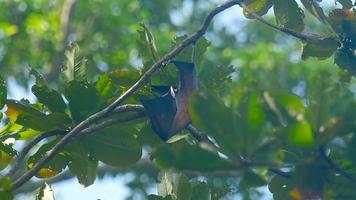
{"x":169,"y":113}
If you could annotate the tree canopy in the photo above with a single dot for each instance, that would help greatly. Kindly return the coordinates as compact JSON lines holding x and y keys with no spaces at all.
{"x":275,"y":104}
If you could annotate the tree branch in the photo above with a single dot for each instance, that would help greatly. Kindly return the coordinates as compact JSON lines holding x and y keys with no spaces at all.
{"x":144,"y":78}
{"x":66,"y":18}
{"x":336,"y":168}
{"x":288,"y":31}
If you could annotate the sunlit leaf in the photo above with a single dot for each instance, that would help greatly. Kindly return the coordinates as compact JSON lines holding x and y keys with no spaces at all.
{"x":104,"y":86}
{"x":259,"y":7}
{"x":301,"y":134}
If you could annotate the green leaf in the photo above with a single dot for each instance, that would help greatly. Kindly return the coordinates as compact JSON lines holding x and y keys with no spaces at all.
{"x":212,"y":116}
{"x":50,"y":122}
{"x":281,"y":187}
{"x":40,"y":81}
{"x":345,"y":59}
{"x":82,"y":97}
{"x":50,"y":98}
{"x":3,"y":92}
{"x":104,"y":86}
{"x":6,"y":191}
{"x":45,"y":193}
{"x":74,"y":66}
{"x":25,"y":115}
{"x":346,"y":4}
{"x":186,"y":157}
{"x":289,"y":14}
{"x":301,"y":134}
{"x":182,"y":188}
{"x":82,"y":164}
{"x":251,"y":180}
{"x":259,"y":7}
{"x":55,"y":166}
{"x":124,"y":78}
{"x":115,"y":146}
{"x":321,"y":48}
{"x":200,"y":191}
{"x":314,"y":8}
{"x":148,"y":40}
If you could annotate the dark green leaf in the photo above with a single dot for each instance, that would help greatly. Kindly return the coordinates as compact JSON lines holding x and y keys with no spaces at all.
{"x":82,"y":97}
{"x":289,"y":14}
{"x":200,"y":191}
{"x":251,"y":180}
{"x":346,"y":4}
{"x":116,"y":146}
{"x":50,"y":98}
{"x":321,"y":48}
{"x":147,"y":38}
{"x":345,"y":59}
{"x":182,"y":188}
{"x":6,"y":191}
{"x":124,"y":78}
{"x":82,"y":164}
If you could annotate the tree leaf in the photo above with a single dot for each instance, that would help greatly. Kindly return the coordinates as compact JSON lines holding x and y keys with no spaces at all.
{"x":82,"y":164}
{"x":321,"y":48}
{"x":301,"y":134}
{"x":212,"y":116}
{"x":124,"y":78}
{"x":74,"y":66}
{"x":49,"y":97}
{"x":251,"y":180}
{"x":104,"y":86}
{"x":45,"y":193}
{"x":148,"y":40}
{"x":115,"y":146}
{"x":6,"y":192}
{"x":289,"y":14}
{"x":3,"y":92}
{"x":82,"y":97}
{"x":55,"y":166}
{"x":345,"y":59}
{"x":259,"y":7}
{"x":182,"y":188}
{"x":200,"y":191}
{"x":314,"y":8}
{"x":346,"y":4}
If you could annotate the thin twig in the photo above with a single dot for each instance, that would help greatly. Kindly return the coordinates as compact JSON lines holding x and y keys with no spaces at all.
{"x":279,"y":28}
{"x":144,"y":78}
{"x":335,"y":167}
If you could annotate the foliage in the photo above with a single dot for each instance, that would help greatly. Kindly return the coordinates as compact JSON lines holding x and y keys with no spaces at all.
{"x":274,"y":117}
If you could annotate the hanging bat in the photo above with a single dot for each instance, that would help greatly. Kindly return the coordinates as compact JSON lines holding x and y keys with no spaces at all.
{"x":169,"y":113}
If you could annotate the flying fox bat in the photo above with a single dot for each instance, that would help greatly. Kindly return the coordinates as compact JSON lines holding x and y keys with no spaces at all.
{"x":169,"y":113}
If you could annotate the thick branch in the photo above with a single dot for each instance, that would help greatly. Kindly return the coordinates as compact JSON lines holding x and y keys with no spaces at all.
{"x":144,"y":78}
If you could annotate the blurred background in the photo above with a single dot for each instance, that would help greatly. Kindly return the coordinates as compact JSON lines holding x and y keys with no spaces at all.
{"x":36,"y":33}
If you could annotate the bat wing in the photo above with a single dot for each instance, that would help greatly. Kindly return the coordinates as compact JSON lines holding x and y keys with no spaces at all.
{"x":161,"y":111}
